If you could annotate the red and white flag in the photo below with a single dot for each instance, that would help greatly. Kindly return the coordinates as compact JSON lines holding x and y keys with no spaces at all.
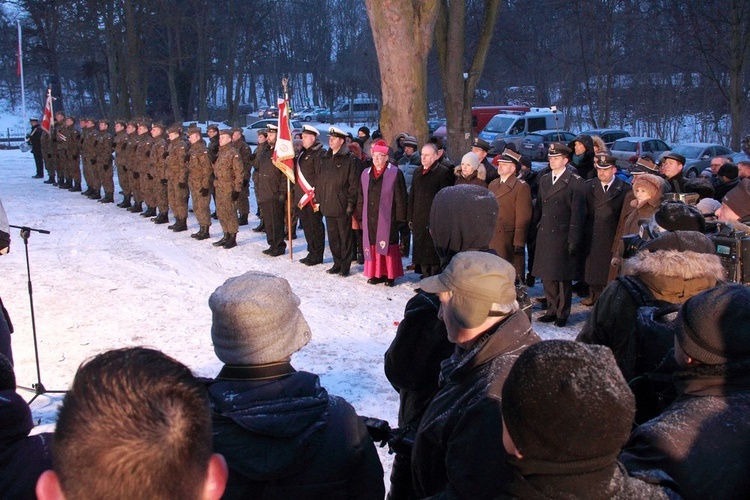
{"x":47,"y":117}
{"x":283,"y":153}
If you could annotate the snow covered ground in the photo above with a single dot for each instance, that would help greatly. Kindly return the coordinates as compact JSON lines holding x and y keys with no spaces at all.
{"x":105,"y":278}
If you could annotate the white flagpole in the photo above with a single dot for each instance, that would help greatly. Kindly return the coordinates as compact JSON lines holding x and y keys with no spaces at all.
{"x":20,"y":65}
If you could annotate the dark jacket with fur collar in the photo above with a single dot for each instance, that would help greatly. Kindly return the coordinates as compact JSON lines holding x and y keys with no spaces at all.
{"x":703,"y":439}
{"x":670,"y":275}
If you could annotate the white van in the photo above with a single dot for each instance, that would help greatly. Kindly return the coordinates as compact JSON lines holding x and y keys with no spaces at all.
{"x":357,"y":110}
{"x":514,"y":126}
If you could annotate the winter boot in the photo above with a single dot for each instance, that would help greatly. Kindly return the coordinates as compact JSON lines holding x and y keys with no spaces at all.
{"x":242,"y":220}
{"x":231,"y":241}
{"x":51,"y":180}
{"x":63,"y":183}
{"x":89,"y":191}
{"x":261,"y":227}
{"x":108,"y":198}
{"x":222,"y":241}
{"x":96,"y":195}
{"x":203,"y":234}
{"x":76,"y":186}
{"x":180,"y":225}
{"x":136,"y":208}
{"x":125,"y":203}
{"x":149,"y":212}
{"x":162,"y":218}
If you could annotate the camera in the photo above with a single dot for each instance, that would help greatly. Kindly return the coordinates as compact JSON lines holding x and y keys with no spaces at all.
{"x":634,"y":242}
{"x":733,"y":249}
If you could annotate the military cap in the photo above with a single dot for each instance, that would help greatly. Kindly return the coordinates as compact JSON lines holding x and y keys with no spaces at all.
{"x":158,"y":125}
{"x":559,"y":149}
{"x":272,"y":128}
{"x":645,"y":165}
{"x":337,"y":132}
{"x":213,"y":126}
{"x":121,"y":122}
{"x":675,"y":156}
{"x":175,"y":128}
{"x":225,"y":131}
{"x":132,"y":123}
{"x":32,"y":120}
{"x":144,"y":122}
{"x":194,"y":130}
{"x":509,"y":156}
{"x":481,"y":144}
{"x":309,"y":129}
{"x":605,"y":161}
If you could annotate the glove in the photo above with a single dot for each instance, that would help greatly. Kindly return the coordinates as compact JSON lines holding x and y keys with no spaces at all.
{"x":349,"y":209}
{"x":282,"y":198}
{"x":204,"y":191}
{"x":136,"y":175}
{"x":235,"y":195}
{"x":148,"y":154}
{"x":165,"y":154}
{"x":518,"y":250}
{"x":181,"y":185}
{"x":150,"y":177}
{"x":164,"y":182}
{"x":246,"y":183}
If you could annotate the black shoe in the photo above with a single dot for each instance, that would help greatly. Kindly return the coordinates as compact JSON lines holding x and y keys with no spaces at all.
{"x":203,"y":234}
{"x":560,"y":322}
{"x":50,"y":181}
{"x":162,"y":218}
{"x":334,"y":270}
{"x":305,"y":260}
{"x":375,"y":281}
{"x":125,"y":203}
{"x":277,"y":252}
{"x":181,"y":226}
{"x":37,"y":176}
{"x":221,"y":242}
{"x":88,"y":192}
{"x":231,"y":241}
{"x":108,"y":198}
{"x":214,"y":216}
{"x":344,"y":273}
{"x":313,"y":262}
{"x":267,"y":251}
{"x":260,"y":228}
{"x":547,"y":318}
{"x":389,"y":283}
{"x":136,"y":208}
{"x":242,"y":220}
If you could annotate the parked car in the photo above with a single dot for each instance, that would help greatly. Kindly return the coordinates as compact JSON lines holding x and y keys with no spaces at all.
{"x":309,"y":114}
{"x":536,"y":144}
{"x":698,"y":156}
{"x":480,"y":116}
{"x":251,"y":132}
{"x":608,"y":135}
{"x":628,"y":149}
{"x":361,"y":109}
{"x":325,"y":115}
{"x":738,"y":157}
{"x":271,"y":112}
{"x":514,"y":126}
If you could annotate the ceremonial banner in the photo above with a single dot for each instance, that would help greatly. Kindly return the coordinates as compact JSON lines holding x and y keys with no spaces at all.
{"x":283,"y":153}
{"x":47,"y":118}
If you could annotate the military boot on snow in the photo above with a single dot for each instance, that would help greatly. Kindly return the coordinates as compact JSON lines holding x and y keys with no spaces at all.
{"x":222,"y":241}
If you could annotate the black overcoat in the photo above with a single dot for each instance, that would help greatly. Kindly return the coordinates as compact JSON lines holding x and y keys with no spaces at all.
{"x":424,"y":187}
{"x":338,"y":183}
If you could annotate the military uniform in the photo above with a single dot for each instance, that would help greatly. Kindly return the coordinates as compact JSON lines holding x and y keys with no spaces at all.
{"x":141,"y":163}
{"x":120,"y":146}
{"x":177,"y":178}
{"x":228,"y":176}
{"x":308,"y":167}
{"x":88,"y":159}
{"x":103,"y":164}
{"x":158,"y":170}
{"x":243,"y":204}
{"x":72,"y":150}
{"x":200,"y":175}
{"x":48,"y":156}
{"x":270,"y":190}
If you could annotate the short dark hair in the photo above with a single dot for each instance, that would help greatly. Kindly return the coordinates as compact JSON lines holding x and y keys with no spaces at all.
{"x":135,"y":423}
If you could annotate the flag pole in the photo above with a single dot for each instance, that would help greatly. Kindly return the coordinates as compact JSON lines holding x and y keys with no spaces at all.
{"x":288,"y":183}
{"x":20,"y":73}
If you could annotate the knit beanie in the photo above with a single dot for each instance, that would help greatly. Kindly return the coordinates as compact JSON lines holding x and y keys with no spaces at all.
{"x":738,"y":199}
{"x":472,"y":159}
{"x":256,"y":320}
{"x":728,"y":170}
{"x":566,"y":402}
{"x":716,"y":325}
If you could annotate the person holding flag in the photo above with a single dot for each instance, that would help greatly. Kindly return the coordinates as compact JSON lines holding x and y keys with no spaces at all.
{"x":271,"y":193}
{"x":308,"y":169}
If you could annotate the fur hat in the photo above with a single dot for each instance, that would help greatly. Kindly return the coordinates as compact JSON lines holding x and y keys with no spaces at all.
{"x":683,"y":241}
{"x":650,"y":182}
{"x":566,"y":401}
{"x":478,"y":280}
{"x":738,"y":198}
{"x":715,"y":325}
{"x":645,"y":165}
{"x":678,"y":216}
{"x":256,"y":320}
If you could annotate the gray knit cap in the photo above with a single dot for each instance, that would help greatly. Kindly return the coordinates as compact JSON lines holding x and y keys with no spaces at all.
{"x":256,"y":320}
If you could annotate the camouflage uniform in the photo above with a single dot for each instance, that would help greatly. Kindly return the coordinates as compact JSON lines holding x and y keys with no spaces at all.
{"x":72,"y":148}
{"x":200,"y":174}
{"x":158,"y":170}
{"x":228,"y":177}
{"x":140,"y":161}
{"x":177,"y":176}
{"x":88,"y":154}
{"x":120,"y":146}
{"x":103,"y":170}
{"x":48,"y":155}
{"x":243,"y":204}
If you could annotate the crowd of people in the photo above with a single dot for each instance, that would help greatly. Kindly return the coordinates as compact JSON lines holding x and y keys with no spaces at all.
{"x":651,"y":400}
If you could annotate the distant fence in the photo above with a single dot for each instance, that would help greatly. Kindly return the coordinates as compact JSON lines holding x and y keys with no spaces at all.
{"x":12,"y":138}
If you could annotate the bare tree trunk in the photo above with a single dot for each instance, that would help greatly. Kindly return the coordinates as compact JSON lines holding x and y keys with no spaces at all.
{"x":135,"y":85}
{"x":403,"y":31}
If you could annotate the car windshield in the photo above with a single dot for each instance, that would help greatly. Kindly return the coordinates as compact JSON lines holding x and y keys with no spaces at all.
{"x":499,"y":124}
{"x":688,"y":151}
{"x":625,"y":146}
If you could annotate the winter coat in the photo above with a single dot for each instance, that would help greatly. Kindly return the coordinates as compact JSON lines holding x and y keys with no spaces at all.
{"x":408,"y":164}
{"x":722,"y":188}
{"x":157,"y":160}
{"x":702,"y":440}
{"x":23,"y":458}
{"x":288,"y":438}
{"x":584,"y":163}
{"x":103,"y":150}
{"x":246,"y":155}
{"x":458,"y":449}
{"x":611,"y":483}
{"x":602,"y":216}
{"x":478,"y":177}
{"x":425,"y":186}
{"x":514,"y":217}
{"x":671,"y":276}
{"x":490,"y":169}
{"x":308,"y":162}
{"x":228,"y":169}
{"x":338,"y":184}
{"x":34,"y":139}
{"x":374,"y":190}
{"x":142,"y":152}
{"x":199,"y":167}
{"x":271,"y":182}
{"x":560,"y":216}
{"x":532,"y":179}
{"x":676,"y":184}
{"x":177,"y":167}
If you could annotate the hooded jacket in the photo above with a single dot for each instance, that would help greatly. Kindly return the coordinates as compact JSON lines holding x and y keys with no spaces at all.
{"x":583,"y":163}
{"x":288,"y":438}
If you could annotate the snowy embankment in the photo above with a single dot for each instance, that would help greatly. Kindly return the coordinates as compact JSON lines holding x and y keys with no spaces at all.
{"x":106,"y":278}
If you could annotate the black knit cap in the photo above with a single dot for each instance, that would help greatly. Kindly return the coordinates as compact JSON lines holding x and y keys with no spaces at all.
{"x":738,"y":199}
{"x":728,"y":170}
{"x":716,"y":325}
{"x":566,"y":402}
{"x":679,"y":216}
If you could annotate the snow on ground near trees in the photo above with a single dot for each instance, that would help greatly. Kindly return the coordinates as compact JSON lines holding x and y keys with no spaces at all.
{"x":106,"y":278}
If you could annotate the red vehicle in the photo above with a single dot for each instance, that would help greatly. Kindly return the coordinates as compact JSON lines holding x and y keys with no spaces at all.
{"x":480,"y":115}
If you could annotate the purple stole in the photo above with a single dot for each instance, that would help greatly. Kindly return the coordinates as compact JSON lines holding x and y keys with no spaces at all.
{"x":384,"y":210}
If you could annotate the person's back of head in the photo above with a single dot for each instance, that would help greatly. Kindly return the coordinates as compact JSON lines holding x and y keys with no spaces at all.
{"x":566,"y":408}
{"x":135,"y":424}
